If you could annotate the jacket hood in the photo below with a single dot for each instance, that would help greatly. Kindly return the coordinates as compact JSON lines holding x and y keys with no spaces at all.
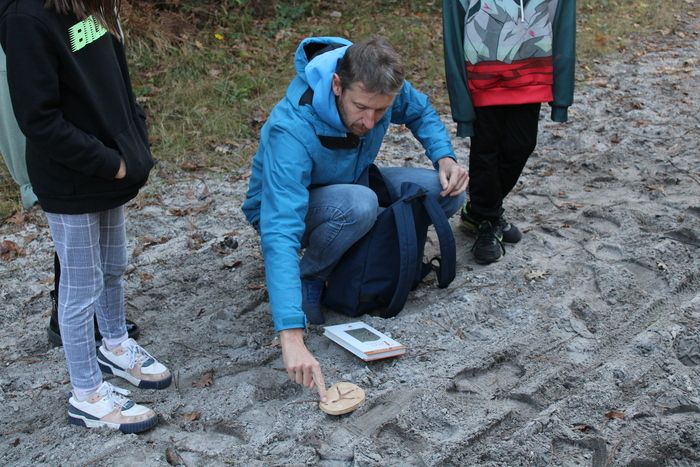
{"x":316,"y":60}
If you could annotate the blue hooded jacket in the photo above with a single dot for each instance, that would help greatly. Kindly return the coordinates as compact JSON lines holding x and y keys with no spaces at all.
{"x":291,"y":158}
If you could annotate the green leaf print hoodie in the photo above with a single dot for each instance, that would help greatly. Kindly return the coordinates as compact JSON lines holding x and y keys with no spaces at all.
{"x":505,"y":52}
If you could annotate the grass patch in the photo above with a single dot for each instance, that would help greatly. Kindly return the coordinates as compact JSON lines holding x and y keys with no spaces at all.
{"x":215,"y":84}
{"x":208,"y":72}
{"x":610,"y":26}
{"x":9,"y":194}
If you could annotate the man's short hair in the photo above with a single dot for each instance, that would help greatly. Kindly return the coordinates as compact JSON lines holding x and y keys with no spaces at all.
{"x":375,"y":64}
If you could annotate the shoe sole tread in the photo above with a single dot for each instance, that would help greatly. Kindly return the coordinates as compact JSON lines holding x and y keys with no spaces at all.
{"x":110,"y":369}
{"x":137,"y":427}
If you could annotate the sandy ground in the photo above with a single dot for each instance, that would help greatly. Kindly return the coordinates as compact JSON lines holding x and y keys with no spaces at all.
{"x":581,"y":347}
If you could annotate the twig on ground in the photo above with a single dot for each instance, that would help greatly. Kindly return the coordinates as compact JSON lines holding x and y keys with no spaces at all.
{"x":685,"y":172}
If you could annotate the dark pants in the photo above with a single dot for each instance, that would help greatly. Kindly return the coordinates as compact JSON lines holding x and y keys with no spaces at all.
{"x":56,"y":274}
{"x":504,"y":137}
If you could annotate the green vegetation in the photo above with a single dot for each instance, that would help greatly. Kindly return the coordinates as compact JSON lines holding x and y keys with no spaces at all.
{"x":208,"y":72}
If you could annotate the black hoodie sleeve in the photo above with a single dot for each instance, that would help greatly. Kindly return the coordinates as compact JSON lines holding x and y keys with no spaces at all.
{"x":32,"y":74}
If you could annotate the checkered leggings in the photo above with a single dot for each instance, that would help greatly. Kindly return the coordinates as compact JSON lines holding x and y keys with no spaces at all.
{"x":92,"y":252}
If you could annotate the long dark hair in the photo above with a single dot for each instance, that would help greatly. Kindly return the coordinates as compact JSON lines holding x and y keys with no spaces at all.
{"x":104,"y":11}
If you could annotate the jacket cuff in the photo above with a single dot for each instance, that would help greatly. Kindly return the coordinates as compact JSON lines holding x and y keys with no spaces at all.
{"x":560,"y":114}
{"x":465,"y":129}
{"x":110,"y":166}
{"x":295,"y":321}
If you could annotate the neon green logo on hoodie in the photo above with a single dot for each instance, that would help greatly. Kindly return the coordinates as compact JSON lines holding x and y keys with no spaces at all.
{"x":85,"y":32}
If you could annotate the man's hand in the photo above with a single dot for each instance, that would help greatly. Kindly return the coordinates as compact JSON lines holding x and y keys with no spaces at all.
{"x":122,"y":170}
{"x":301,"y":366}
{"x":453,"y":177}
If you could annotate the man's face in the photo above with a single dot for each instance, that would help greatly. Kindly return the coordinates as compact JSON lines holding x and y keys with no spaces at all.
{"x":359,"y":109}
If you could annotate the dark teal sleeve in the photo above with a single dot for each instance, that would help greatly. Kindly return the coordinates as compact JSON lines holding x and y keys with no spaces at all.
{"x":455,"y":71}
{"x":564,"y":54}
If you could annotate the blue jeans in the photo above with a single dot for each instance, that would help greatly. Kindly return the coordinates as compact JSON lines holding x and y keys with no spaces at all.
{"x":92,"y":251}
{"x":339,"y":215}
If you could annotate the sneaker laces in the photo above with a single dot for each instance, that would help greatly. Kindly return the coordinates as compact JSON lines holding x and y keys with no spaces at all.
{"x":489,"y":229}
{"x":138,"y":354}
{"x":116,"y":395}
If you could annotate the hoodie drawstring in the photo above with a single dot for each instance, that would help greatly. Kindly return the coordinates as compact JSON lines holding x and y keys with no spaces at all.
{"x":522,"y":11}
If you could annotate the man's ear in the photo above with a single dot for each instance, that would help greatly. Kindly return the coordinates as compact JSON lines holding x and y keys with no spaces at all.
{"x":337,"y":87}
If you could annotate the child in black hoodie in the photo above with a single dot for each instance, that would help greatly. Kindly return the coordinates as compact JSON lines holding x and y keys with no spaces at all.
{"x":87,"y":155}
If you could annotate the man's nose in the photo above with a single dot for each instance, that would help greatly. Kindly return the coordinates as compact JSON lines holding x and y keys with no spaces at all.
{"x":369,"y":119}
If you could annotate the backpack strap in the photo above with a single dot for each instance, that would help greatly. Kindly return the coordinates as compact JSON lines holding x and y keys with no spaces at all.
{"x":406,"y":233}
{"x":447,"y":267}
{"x":372,"y":178}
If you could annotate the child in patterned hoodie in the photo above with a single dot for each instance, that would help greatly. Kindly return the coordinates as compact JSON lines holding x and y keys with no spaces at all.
{"x":503,"y":58}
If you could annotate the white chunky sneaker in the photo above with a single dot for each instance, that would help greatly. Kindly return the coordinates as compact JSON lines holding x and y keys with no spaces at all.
{"x":131,"y":362}
{"x":109,"y":407}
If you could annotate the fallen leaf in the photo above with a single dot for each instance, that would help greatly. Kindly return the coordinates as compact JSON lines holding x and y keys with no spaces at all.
{"x":173,"y":457}
{"x":10,"y":250}
{"x":232,"y":263}
{"x":189,"y":166}
{"x":535,"y":274}
{"x":30,"y":238}
{"x":615,"y":414}
{"x":145,"y":242}
{"x":206,"y":380}
{"x":582,"y":427}
{"x":192,"y":416}
{"x":146,"y":276}
{"x":180,"y":212}
{"x":573,"y":206}
{"x":255,"y":286}
{"x":195,"y":241}
{"x":18,"y":218}
{"x":656,"y":188}
{"x":150,"y":241}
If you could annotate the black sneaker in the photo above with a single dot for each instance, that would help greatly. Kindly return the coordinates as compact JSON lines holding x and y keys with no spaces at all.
{"x":54,"y":332}
{"x":488,"y":247}
{"x":510,"y":232}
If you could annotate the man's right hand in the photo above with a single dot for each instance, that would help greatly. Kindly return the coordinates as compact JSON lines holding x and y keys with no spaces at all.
{"x":300,"y":364}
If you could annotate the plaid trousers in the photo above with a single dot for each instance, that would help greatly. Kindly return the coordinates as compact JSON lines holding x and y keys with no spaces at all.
{"x":92,"y":252}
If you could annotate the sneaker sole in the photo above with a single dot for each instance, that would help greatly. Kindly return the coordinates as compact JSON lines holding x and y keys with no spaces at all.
{"x":473,"y":231}
{"x":139,"y":427}
{"x":485,"y":262}
{"x":110,"y":369}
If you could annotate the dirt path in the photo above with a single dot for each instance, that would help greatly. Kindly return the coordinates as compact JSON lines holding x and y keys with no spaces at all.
{"x":581,"y":347}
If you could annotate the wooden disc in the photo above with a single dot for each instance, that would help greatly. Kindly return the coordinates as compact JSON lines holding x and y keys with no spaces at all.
{"x":342,"y":398}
